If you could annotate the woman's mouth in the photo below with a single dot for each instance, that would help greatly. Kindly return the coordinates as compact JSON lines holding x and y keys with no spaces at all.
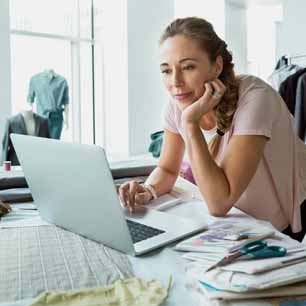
{"x":182,"y":96}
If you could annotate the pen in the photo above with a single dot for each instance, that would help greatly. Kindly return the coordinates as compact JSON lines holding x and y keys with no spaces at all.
{"x":26,"y":208}
{"x":294,"y":260}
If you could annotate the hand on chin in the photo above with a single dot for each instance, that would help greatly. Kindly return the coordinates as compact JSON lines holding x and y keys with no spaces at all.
{"x":183,"y":104}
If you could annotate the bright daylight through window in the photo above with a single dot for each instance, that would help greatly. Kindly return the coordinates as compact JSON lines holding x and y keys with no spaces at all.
{"x":68,"y":49}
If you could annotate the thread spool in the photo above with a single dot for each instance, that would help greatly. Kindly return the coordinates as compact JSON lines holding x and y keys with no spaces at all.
{"x":7,"y":165}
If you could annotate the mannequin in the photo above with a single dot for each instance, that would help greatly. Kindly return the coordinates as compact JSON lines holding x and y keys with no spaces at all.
{"x":49,"y":72}
{"x":51,"y":93}
{"x":29,"y":121}
{"x":28,"y":116}
{"x":26,"y":122}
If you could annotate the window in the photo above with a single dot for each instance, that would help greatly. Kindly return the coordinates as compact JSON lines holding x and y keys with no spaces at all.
{"x":59,"y":35}
{"x":40,"y":16}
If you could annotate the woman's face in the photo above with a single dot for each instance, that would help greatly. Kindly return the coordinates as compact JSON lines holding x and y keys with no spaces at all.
{"x":185,"y":68}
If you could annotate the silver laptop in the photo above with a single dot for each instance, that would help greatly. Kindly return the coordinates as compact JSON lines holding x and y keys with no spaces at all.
{"x":72,"y":186}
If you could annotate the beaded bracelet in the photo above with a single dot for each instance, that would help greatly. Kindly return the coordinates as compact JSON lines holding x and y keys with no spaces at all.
{"x":151,"y":189}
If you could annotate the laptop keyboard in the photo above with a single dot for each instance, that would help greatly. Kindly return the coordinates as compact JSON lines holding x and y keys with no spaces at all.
{"x":141,"y":232}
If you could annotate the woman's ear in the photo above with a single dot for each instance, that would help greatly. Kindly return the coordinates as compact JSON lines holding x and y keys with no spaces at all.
{"x":218,"y":65}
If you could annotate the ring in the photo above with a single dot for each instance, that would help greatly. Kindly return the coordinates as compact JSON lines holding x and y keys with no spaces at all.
{"x":217,"y":95}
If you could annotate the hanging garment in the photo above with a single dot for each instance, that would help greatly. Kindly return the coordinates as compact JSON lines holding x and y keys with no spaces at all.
{"x":17,"y":125}
{"x":281,"y":74}
{"x":51,"y":93}
{"x":283,"y":61}
{"x":300,"y":108}
{"x":288,"y":89}
{"x":156,"y":143}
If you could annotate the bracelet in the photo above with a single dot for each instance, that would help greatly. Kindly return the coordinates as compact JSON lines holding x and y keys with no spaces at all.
{"x":220,"y":133}
{"x":151,"y":189}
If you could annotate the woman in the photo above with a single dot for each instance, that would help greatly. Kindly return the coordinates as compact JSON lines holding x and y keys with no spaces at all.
{"x":254,"y":161}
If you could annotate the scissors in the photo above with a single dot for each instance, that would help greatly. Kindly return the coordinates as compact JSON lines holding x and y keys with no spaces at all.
{"x":255,"y":249}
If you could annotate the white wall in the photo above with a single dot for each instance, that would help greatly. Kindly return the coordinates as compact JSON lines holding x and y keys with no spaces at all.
{"x":262,"y":38}
{"x":293,"y":27}
{"x":114,"y":40}
{"x":5,"y":64}
{"x":146,"y":96}
{"x":236,"y":35}
{"x":229,"y":21}
{"x":212,"y":11}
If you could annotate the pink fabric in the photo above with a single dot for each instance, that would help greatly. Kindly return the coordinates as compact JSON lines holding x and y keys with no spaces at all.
{"x":279,"y":184}
{"x":186,"y":172}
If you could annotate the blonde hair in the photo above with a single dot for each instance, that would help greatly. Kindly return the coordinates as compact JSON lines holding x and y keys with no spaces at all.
{"x":203,"y":32}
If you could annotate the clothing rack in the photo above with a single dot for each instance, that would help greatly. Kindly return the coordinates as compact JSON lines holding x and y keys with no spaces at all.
{"x":290,"y":58}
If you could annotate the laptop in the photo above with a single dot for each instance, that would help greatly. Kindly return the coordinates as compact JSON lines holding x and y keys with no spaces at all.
{"x":73,"y":187}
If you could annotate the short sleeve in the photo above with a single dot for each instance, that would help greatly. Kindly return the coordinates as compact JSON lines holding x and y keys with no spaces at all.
{"x":258,"y":109}
{"x":31,"y":93}
{"x":169,"y":118}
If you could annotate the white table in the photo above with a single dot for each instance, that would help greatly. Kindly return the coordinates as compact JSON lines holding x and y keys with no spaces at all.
{"x":163,"y":263}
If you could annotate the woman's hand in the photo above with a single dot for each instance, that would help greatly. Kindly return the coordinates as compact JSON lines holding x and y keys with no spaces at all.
{"x":133,"y":194}
{"x":213,"y":93}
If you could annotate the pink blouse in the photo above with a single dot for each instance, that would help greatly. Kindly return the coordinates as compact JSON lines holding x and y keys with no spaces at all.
{"x":279,"y":185}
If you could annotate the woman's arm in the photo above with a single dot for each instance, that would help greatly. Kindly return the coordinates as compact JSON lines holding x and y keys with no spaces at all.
{"x":163,"y":177}
{"x":221,"y":186}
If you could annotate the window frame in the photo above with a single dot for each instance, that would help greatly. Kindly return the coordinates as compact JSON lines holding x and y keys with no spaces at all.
{"x":75,"y":88}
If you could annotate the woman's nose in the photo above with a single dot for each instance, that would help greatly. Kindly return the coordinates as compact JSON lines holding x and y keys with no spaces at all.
{"x":177,"y":79}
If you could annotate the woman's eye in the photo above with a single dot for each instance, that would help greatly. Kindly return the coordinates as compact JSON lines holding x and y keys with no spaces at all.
{"x":189,"y":67}
{"x":166,"y":71}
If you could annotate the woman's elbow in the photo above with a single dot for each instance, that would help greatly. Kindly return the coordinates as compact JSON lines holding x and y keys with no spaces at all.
{"x":215,"y":213}
{"x":218,"y":210}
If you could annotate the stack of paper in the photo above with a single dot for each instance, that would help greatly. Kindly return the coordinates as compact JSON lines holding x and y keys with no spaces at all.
{"x":205,"y":293}
{"x":245,"y":278}
{"x":223,"y":237}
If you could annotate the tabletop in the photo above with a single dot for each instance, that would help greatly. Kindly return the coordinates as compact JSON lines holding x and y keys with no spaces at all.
{"x":164,"y":263}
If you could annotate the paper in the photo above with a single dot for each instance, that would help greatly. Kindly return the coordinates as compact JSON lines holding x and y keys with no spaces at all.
{"x":225,"y":231}
{"x":213,"y":294}
{"x":296,"y":252}
{"x":214,"y":240}
{"x":242,"y":282}
{"x":254,"y":266}
{"x":209,"y":258}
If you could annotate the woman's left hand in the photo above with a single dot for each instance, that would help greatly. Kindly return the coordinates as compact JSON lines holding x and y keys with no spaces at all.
{"x":213,"y":93}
